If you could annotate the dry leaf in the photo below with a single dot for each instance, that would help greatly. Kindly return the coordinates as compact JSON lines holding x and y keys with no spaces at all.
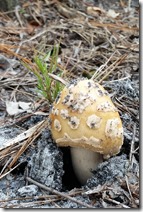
{"x":112,"y":13}
{"x":94,"y":11}
{"x":14,"y":108}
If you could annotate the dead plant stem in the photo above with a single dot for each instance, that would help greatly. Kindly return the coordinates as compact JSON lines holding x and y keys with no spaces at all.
{"x":58,"y":193}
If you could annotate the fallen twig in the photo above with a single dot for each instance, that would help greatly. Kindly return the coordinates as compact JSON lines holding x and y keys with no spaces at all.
{"x":112,"y":67}
{"x":58,"y":193}
{"x":21,"y":137}
{"x":3,"y":175}
{"x":34,"y":135}
{"x":132,"y":143}
{"x":116,"y":202}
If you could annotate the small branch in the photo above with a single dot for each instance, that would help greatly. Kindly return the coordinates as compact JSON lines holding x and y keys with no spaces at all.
{"x":10,"y":171}
{"x":102,"y":66}
{"x":116,"y":202}
{"x":132,"y":143}
{"x":61,"y":80}
{"x":28,"y":133}
{"x":58,"y":192}
{"x":127,"y":183}
{"x":17,"y":9}
{"x":29,"y":141}
{"x":112,"y":67}
{"x":32,"y":204}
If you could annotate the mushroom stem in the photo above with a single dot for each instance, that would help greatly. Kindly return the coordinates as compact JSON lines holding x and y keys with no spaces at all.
{"x":84,"y":161}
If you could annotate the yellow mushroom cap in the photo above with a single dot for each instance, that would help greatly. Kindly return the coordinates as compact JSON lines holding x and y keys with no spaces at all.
{"x":84,"y":116}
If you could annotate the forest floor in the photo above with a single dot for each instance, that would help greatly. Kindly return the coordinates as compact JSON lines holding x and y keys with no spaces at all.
{"x":99,"y":38}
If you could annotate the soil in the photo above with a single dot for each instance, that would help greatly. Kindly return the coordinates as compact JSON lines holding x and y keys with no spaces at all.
{"x":96,"y":38}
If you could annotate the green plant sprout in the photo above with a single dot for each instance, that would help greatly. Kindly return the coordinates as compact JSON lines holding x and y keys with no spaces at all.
{"x":47,"y":86}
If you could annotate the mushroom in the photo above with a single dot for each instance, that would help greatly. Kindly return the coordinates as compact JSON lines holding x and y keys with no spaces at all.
{"x":84,"y":118}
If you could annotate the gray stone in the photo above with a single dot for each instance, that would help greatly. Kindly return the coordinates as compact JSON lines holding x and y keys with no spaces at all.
{"x":7,"y":133}
{"x":109,"y":171}
{"x":29,"y":190}
{"x":5,"y":64}
{"x":2,"y":195}
{"x":46,"y":165}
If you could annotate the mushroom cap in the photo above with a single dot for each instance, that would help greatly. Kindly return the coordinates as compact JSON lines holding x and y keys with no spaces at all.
{"x":83,"y":115}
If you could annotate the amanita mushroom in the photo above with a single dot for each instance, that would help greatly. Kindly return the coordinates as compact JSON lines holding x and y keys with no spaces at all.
{"x":84,"y":118}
